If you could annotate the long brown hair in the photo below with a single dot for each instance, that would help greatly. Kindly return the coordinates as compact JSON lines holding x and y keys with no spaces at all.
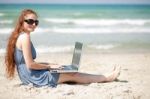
{"x":9,"y":58}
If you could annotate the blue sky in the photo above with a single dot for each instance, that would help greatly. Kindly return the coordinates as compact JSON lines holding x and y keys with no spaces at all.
{"x":79,"y":1}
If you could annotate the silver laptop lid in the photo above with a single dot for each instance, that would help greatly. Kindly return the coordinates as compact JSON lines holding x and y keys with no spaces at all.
{"x":77,"y":54}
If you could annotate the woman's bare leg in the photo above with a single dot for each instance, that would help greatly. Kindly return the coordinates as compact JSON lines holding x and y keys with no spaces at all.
{"x":84,"y":78}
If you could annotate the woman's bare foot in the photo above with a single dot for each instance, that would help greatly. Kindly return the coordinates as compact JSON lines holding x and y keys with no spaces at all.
{"x":113,"y":76}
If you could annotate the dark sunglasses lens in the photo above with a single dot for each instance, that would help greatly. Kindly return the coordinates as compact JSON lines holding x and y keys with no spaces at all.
{"x":36,"y":22}
{"x":31,"y":21}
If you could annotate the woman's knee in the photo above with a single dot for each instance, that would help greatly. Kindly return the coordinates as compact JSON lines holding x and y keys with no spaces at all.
{"x":67,"y":77}
{"x":74,"y":74}
{"x":71,"y":76}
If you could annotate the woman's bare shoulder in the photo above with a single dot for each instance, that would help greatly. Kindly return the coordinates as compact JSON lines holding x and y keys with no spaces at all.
{"x":24,"y":37}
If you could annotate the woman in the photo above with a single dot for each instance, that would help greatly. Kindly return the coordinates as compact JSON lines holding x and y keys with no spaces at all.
{"x":21,"y":53}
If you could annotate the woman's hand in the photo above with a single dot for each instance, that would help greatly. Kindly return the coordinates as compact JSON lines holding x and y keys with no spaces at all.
{"x":52,"y":65}
{"x":55,"y":66}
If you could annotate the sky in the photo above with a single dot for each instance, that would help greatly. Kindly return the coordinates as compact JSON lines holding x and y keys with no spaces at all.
{"x":78,"y":1}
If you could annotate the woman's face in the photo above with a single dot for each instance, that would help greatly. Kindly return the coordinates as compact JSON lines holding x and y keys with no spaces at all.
{"x":30,"y":23}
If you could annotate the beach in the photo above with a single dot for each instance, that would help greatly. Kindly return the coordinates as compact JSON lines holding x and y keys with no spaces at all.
{"x":133,"y":82}
{"x":112,"y":35}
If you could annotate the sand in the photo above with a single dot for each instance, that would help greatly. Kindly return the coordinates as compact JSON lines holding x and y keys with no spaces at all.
{"x":133,"y":82}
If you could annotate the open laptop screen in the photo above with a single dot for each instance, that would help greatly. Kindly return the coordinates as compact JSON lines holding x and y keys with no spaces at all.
{"x":77,"y":54}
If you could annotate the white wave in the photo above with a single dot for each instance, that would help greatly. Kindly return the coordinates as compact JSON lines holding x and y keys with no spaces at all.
{"x":2,"y":51}
{"x":5,"y":30}
{"x":83,"y":30}
{"x":60,"y":49}
{"x":6,"y":21}
{"x":99,"y":22}
{"x":64,"y":49}
{"x":103,"y":47}
{"x":54,"y":49}
{"x":94,"y":30}
{"x":55,"y":20}
{"x":1,"y":14}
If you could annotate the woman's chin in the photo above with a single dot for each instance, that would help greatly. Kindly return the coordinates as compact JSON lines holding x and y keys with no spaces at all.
{"x":31,"y":30}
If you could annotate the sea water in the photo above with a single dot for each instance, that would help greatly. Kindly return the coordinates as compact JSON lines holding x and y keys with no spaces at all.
{"x":102,"y":28}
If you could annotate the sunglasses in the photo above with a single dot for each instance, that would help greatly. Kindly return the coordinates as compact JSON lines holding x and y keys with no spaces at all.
{"x":31,"y":21}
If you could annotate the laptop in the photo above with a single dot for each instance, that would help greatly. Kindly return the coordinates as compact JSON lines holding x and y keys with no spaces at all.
{"x":75,"y":61}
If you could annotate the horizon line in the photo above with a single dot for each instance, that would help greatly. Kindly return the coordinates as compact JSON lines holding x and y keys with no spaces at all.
{"x":84,"y":3}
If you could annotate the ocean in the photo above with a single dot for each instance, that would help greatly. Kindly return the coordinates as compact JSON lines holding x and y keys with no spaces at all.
{"x":101,"y":28}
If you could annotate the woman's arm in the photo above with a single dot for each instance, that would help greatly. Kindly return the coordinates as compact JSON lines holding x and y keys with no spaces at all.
{"x":26,"y":48}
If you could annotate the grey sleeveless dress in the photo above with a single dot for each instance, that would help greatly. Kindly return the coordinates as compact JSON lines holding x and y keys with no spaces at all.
{"x":36,"y":77}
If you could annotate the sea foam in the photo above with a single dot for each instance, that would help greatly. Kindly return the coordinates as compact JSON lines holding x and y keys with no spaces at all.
{"x":99,"y":22}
